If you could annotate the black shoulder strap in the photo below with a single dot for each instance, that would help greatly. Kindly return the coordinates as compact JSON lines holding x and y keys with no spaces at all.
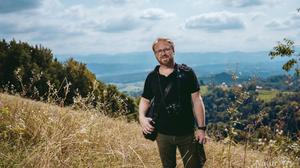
{"x":178,"y":76}
{"x":166,"y":91}
{"x":184,"y":67}
{"x":179,"y":68}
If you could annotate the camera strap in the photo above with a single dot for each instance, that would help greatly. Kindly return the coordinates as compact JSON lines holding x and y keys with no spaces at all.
{"x":166,"y":91}
{"x":169,"y":86}
{"x":178,"y":76}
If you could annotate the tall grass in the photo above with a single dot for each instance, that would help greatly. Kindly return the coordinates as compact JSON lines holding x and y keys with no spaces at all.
{"x":36,"y":134}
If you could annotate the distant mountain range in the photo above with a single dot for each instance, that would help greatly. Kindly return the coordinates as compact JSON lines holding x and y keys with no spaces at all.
{"x":133,"y":67}
{"x":191,"y":58}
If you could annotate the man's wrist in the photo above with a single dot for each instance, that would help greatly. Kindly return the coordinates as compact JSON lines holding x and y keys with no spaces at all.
{"x":141,"y":116}
{"x":203,"y":128}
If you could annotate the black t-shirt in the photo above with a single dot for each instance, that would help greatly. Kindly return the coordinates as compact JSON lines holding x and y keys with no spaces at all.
{"x":179,"y":120}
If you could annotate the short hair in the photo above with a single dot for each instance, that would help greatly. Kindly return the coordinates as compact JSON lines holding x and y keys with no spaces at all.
{"x":163,"y":39}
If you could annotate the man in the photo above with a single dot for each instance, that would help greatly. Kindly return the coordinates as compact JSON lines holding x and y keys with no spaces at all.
{"x":178,"y":110}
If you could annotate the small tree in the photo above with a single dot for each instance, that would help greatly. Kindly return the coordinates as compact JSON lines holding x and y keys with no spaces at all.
{"x":287,"y":49}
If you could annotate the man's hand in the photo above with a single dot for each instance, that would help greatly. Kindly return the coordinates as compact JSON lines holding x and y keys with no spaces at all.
{"x":200,"y":136}
{"x":147,"y":128}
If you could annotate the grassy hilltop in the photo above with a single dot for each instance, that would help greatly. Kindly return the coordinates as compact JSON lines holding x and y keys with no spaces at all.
{"x":36,"y":134}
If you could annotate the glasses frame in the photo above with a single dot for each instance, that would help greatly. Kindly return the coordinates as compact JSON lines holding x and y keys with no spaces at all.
{"x":165,"y":50}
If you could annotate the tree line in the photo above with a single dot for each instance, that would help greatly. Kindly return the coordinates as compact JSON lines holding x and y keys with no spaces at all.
{"x":264,"y":118}
{"x":33,"y":72}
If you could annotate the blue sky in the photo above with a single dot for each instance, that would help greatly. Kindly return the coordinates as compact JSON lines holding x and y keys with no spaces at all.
{"x":78,"y":27}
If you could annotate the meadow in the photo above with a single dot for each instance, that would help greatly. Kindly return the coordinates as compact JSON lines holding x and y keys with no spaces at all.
{"x":38,"y":134}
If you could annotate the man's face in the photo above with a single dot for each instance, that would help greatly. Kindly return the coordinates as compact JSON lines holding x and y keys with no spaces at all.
{"x":164,"y":53}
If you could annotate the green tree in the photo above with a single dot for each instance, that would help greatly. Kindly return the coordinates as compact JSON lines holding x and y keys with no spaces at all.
{"x":80,"y":77}
{"x":34,"y":73}
{"x":3,"y":58}
{"x":287,"y":49}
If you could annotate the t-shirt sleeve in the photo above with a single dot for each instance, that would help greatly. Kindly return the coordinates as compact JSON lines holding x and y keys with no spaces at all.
{"x":147,"y":92}
{"x":193,"y":82}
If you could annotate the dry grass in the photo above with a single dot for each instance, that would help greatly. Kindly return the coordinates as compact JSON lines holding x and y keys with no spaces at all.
{"x":35,"y":134}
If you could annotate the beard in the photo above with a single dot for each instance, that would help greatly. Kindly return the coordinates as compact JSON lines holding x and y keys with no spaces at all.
{"x":166,"y":60}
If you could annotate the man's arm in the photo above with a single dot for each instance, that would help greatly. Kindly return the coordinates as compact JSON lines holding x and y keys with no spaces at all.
{"x":199,"y":110}
{"x":145,"y":121}
{"x":199,"y":113}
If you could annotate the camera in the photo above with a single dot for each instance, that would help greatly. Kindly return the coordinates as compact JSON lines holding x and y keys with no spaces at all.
{"x":153,"y":115}
{"x":173,"y":109}
{"x":151,"y":136}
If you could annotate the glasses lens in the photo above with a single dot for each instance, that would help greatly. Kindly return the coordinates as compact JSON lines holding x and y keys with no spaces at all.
{"x":163,"y":51}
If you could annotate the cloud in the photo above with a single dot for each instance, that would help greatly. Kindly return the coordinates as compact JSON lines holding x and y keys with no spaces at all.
{"x":116,"y":2}
{"x":101,"y":19}
{"x":155,"y":14}
{"x":59,"y":21}
{"x":248,"y":3}
{"x":10,"y":26}
{"x":295,"y":17}
{"x":76,"y":11}
{"x":52,"y":33}
{"x":217,"y":21}
{"x":274,"y":24}
{"x":242,"y":3}
{"x":7,"y":28}
{"x":8,"y":6}
{"x":118,"y":24}
{"x":255,"y":15}
{"x":292,"y":22}
{"x":38,"y":29}
{"x":52,"y":24}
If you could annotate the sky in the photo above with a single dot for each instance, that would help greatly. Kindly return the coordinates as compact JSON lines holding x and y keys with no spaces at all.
{"x":83,"y":27}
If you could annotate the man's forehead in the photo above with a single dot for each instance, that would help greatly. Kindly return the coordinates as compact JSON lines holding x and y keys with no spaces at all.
{"x":162,"y":43}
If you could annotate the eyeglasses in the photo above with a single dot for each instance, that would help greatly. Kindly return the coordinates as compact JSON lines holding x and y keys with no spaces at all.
{"x":165,"y":50}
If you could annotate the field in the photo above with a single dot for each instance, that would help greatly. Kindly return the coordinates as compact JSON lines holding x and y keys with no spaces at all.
{"x":36,"y":134}
{"x":267,"y":95}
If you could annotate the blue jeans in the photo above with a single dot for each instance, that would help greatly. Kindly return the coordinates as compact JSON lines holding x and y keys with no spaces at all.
{"x":192,"y":153}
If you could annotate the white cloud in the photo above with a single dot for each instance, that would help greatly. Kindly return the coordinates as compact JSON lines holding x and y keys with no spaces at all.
{"x":217,"y":21}
{"x":256,"y":15}
{"x":76,"y":12}
{"x":293,"y":21}
{"x":39,"y":29}
{"x":273,"y":24}
{"x":118,"y":24}
{"x":58,"y":21}
{"x":51,"y":21}
{"x":295,"y":16}
{"x":116,"y":2}
{"x":94,"y":25}
{"x":248,"y":3}
{"x":155,"y":14}
{"x":242,"y":3}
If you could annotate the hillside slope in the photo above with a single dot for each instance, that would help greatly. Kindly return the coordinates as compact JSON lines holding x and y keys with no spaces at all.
{"x":36,"y":134}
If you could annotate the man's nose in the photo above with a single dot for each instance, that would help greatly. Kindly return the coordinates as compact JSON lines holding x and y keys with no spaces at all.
{"x":164,"y":51}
